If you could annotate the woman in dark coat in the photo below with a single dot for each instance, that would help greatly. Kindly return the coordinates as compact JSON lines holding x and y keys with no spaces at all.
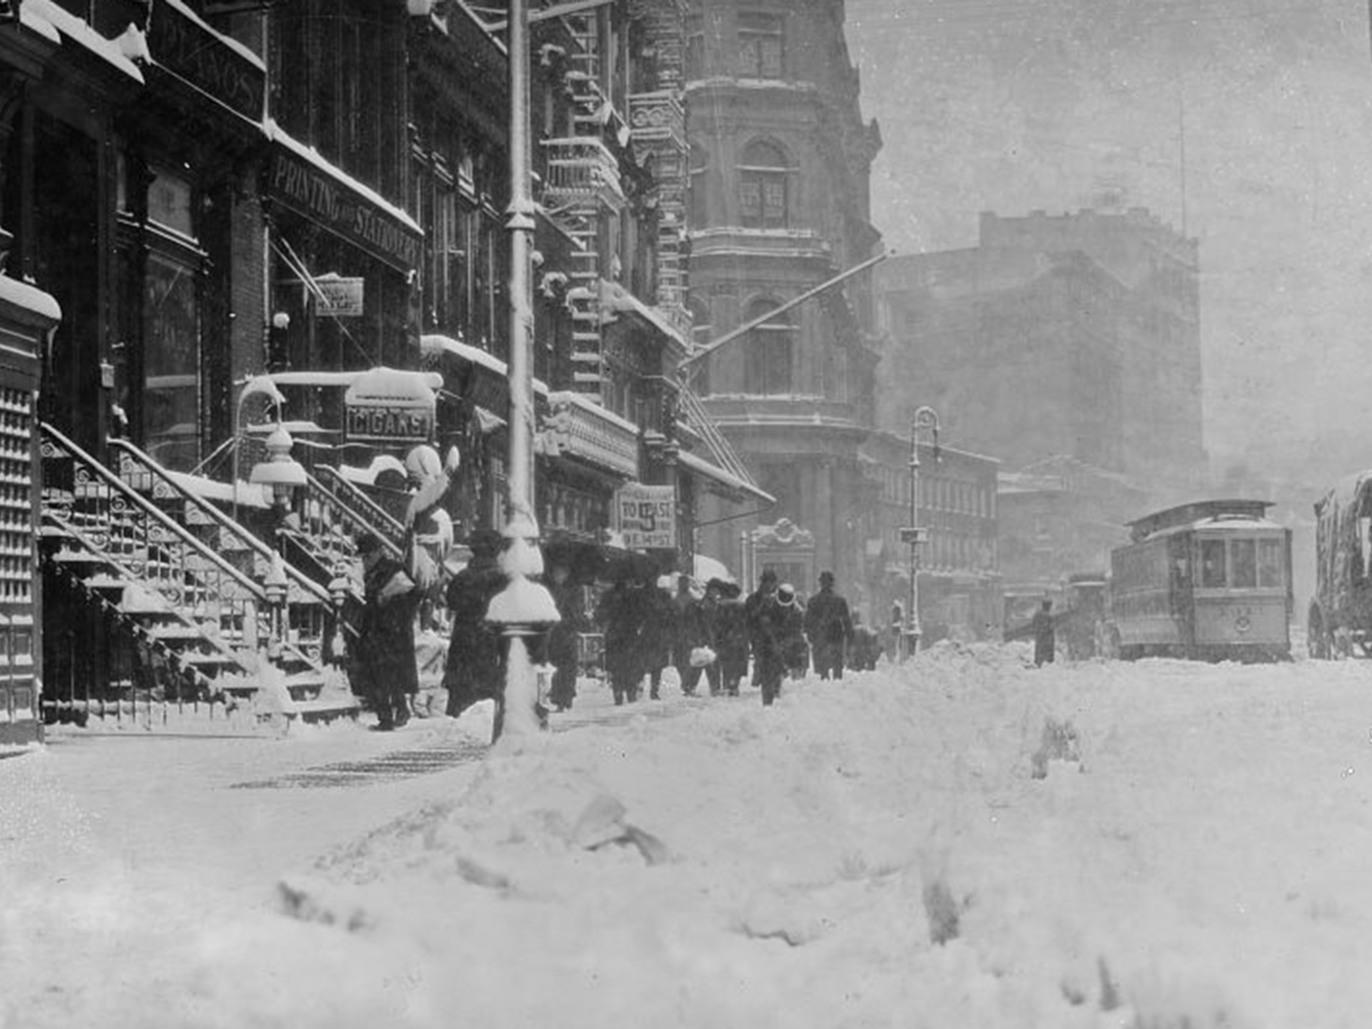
{"x":473,"y":670}
{"x":620,"y":616}
{"x":692,"y":631}
{"x":729,"y":631}
{"x":383,"y":667}
{"x":563,"y":637}
{"x":659,"y":632}
{"x":790,"y":629}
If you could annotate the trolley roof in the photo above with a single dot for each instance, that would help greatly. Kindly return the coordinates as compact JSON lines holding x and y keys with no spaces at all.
{"x":1196,"y":512}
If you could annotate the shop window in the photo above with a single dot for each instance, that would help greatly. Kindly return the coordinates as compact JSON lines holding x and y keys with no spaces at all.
{"x":171,"y":360}
{"x":760,"y":45}
{"x":769,"y":352}
{"x":762,"y":187}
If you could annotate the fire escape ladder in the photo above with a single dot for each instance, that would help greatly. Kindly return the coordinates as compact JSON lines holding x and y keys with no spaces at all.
{"x":197,"y":629}
{"x":720,"y":448}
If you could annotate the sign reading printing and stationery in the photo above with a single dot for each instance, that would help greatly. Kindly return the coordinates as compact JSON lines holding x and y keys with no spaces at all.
{"x":328,"y":200}
{"x":646,"y":516}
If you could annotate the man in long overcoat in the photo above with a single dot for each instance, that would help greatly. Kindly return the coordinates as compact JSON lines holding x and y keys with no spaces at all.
{"x":752,"y":610}
{"x":829,"y":627}
{"x":729,"y":632}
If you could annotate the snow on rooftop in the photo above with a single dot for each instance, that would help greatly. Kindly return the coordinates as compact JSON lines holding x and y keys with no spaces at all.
{"x":80,"y":31}
{"x":30,"y":298}
{"x":243,"y":51}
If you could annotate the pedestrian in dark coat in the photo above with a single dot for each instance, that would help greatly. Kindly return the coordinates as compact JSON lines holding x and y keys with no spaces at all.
{"x":1044,"y":628}
{"x":474,"y":668}
{"x":729,"y":634}
{"x":692,"y":625}
{"x":780,"y":640}
{"x":562,"y":640}
{"x":620,"y":617}
{"x":383,"y":669}
{"x":789,"y":625}
{"x":829,"y":627}
{"x":658,"y":620}
{"x":866,"y":645}
{"x":752,"y":609}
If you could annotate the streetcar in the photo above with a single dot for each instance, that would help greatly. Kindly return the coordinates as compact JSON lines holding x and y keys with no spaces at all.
{"x":1206,"y":581}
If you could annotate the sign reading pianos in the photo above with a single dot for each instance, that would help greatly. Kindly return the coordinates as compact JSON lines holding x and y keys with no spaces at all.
{"x":388,"y":406}
{"x":646,"y":515}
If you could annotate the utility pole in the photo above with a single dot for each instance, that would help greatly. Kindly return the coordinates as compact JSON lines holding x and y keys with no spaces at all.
{"x":524,"y":608}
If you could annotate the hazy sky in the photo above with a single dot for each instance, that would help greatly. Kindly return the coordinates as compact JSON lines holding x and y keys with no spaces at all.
{"x":1015,"y":105}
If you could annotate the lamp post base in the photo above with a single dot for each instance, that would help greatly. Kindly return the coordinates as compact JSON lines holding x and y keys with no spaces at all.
{"x":909,"y":643}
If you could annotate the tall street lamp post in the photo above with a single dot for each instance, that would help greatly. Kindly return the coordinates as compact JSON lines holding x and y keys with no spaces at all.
{"x":914,"y":535}
{"x":524,"y":607}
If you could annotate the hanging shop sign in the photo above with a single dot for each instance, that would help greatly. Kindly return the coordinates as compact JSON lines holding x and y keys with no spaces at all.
{"x":340,"y":296}
{"x":334,"y":203}
{"x":192,"y":51}
{"x":646,"y":516}
{"x":386,"y":405}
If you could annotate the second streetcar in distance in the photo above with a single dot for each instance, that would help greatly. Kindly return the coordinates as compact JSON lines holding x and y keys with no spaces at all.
{"x":1208,"y":581}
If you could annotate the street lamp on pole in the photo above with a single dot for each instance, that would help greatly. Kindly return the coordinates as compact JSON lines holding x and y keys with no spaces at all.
{"x":915,"y":535}
{"x":524,"y":607}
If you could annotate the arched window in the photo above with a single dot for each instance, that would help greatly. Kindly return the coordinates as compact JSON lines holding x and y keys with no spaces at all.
{"x":762,"y":192}
{"x":770,"y":352}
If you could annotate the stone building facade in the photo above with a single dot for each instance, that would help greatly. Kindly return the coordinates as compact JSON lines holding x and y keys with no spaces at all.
{"x":779,"y":165}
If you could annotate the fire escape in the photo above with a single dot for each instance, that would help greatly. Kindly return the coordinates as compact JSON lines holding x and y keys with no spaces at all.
{"x":582,"y":183}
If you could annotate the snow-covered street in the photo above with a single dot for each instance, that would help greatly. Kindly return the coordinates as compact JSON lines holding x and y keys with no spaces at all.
{"x":964,"y":842}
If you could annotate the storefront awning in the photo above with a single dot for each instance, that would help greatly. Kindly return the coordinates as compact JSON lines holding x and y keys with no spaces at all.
{"x":303,"y":181}
{"x":704,"y":468}
{"x":615,"y":300}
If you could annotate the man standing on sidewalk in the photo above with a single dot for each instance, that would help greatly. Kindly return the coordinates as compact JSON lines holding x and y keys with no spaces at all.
{"x":829,"y":627}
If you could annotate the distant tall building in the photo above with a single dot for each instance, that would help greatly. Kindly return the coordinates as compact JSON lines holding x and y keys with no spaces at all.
{"x":1069,"y":348}
{"x":779,"y":165}
{"x":1076,"y":336}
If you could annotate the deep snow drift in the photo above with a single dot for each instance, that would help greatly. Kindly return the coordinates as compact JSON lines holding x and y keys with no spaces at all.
{"x":967,"y":841}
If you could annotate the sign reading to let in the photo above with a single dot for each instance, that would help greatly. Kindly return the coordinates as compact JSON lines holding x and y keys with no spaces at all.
{"x":646,"y":515}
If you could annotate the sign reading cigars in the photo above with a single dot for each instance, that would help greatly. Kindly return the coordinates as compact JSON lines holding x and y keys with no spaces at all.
{"x":389,"y":406}
{"x":646,"y":516}
{"x":311,"y":192}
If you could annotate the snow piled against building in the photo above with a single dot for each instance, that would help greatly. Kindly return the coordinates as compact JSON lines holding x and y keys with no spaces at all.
{"x":968,"y":842}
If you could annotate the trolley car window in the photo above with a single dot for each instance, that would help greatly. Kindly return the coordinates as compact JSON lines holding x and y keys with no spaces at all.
{"x":1212,"y":564}
{"x":1243,"y":564}
{"x":1269,"y":562}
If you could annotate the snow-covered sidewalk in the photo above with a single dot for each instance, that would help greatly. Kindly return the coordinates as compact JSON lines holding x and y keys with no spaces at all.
{"x":961,"y":842}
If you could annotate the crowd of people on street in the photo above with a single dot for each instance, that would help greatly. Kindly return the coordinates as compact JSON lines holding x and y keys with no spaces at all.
{"x":706,"y":633}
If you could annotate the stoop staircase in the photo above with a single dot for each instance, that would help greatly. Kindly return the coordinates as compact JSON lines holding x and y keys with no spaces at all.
{"x":196,"y":621}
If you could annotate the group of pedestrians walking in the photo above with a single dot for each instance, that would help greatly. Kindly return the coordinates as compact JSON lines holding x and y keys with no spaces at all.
{"x":715,"y":634}
{"x":711,"y":634}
